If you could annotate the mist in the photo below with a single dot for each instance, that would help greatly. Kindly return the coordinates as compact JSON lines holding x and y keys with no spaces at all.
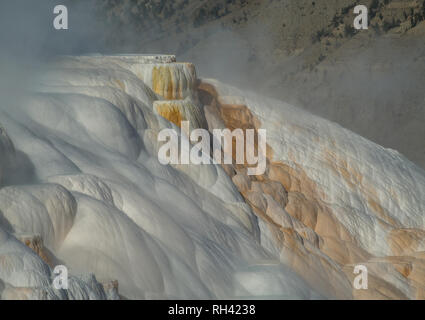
{"x":373,"y":90}
{"x":29,"y":43}
{"x":371,"y":84}
{"x":84,"y":175}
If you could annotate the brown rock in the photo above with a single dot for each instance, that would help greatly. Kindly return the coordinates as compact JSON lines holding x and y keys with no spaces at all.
{"x":35,"y":242}
{"x":272,"y":188}
{"x":242,"y":182}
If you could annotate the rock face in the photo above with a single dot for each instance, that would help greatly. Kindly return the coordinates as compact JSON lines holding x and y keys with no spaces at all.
{"x":100,"y":202}
{"x":341,"y":199}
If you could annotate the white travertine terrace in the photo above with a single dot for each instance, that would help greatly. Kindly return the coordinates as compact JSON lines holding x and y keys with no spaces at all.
{"x":181,"y":110}
{"x":365,"y":203}
{"x":170,"y":79}
{"x":133,"y":58}
{"x":98,"y":200}
{"x":350,"y":171}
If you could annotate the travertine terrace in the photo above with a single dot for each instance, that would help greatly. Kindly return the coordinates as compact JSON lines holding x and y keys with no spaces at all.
{"x":95,"y":198}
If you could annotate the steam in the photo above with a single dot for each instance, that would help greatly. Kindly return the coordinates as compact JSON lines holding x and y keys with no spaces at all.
{"x":28,"y":42}
{"x":376,"y":91}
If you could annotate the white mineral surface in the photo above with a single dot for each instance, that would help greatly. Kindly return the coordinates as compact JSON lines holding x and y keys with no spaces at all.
{"x":81,"y":186}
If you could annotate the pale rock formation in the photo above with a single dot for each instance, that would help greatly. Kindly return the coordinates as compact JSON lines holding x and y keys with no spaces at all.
{"x":164,"y":76}
{"x":177,"y":111}
{"x":25,"y":276}
{"x":354,"y":201}
{"x":99,"y":201}
{"x":35,"y":243}
{"x":103,"y":204}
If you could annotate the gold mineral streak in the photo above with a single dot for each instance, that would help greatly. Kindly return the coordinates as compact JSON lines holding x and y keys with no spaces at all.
{"x":316,"y":234}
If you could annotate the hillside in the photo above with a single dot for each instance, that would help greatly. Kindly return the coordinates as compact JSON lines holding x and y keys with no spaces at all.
{"x":303,"y":52}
